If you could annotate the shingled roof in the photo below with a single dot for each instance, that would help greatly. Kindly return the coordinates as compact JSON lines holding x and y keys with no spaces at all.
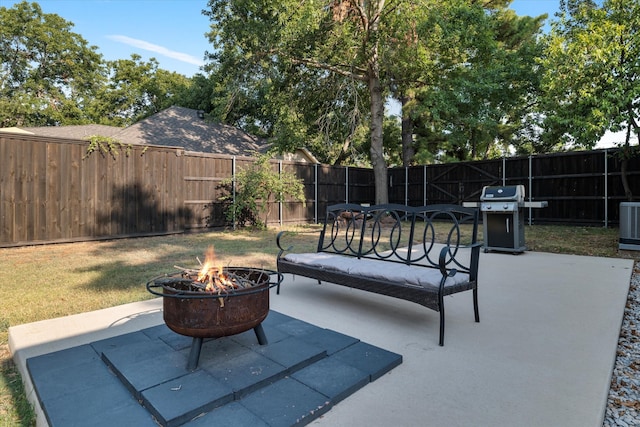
{"x":175,"y":127}
{"x":74,"y":132}
{"x":184,"y":127}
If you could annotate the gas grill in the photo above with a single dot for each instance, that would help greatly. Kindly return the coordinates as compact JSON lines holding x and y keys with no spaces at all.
{"x":503,"y":218}
{"x":502,"y":210}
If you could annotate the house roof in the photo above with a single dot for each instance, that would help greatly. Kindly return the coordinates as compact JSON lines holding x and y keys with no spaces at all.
{"x":183,"y":127}
{"x":174,"y":127}
{"x":73,"y":132}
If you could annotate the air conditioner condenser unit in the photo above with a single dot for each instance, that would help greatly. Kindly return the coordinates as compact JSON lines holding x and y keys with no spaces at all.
{"x":629,"y":226}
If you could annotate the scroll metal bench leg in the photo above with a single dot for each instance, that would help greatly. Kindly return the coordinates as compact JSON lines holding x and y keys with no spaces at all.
{"x":441,"y":326}
{"x":476,"y":311}
{"x":441,"y":304}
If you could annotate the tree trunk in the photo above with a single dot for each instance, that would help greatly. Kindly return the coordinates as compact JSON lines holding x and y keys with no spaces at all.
{"x":344,"y":152}
{"x":377,"y":117}
{"x":407,"y":135}
{"x":624,"y":165}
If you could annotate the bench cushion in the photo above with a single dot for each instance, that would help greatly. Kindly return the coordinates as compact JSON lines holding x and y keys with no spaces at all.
{"x":382,"y":270}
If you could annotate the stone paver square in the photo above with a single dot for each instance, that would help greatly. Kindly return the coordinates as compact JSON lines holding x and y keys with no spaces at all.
{"x":144,"y":350}
{"x":63,"y":359}
{"x":119,"y":341}
{"x":106,"y":405}
{"x":145,"y":374}
{"x":297,"y":327}
{"x":246,"y":373}
{"x":287,"y":403}
{"x":158,"y":331}
{"x":72,"y":378}
{"x":230,"y":415}
{"x":176,"y":402}
{"x":331,"y":341}
{"x":368,"y":358}
{"x":333,"y":378}
{"x":292,"y":353}
{"x":218,"y":351}
{"x":176,"y":341}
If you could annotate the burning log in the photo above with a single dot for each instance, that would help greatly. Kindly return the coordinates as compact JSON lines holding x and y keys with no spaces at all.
{"x":211,"y":277}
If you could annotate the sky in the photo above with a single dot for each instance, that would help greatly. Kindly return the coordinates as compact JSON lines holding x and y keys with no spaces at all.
{"x":171,"y":31}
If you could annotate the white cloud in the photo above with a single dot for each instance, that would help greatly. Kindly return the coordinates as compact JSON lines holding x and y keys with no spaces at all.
{"x":141,"y":44}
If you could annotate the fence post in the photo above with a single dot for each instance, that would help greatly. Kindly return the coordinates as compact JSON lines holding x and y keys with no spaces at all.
{"x":315,"y":195}
{"x":233,"y":187}
{"x":424,"y":185}
{"x":346,"y":184}
{"x":530,"y":186}
{"x":406,"y":186}
{"x":280,"y":201}
{"x":504,"y":171}
{"x":606,"y":190}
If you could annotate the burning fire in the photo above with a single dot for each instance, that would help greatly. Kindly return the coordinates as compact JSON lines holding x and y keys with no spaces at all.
{"x":211,"y":274}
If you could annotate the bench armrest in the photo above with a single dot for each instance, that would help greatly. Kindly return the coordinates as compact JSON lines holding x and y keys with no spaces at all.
{"x":282,"y":250}
{"x":442,"y":263}
{"x":475,"y":259}
{"x":450,"y":252}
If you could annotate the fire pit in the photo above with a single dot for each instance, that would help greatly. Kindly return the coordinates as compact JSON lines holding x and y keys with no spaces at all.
{"x":214,"y":302}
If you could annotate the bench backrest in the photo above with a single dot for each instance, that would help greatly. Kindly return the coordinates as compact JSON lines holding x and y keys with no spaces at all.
{"x":404,"y":234}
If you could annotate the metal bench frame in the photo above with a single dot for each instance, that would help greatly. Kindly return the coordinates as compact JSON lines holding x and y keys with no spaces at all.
{"x":380,"y":232}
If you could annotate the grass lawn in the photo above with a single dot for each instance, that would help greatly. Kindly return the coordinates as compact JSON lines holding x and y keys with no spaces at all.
{"x":48,"y":281}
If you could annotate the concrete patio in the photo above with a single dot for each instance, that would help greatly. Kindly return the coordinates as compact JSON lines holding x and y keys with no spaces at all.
{"x":541,"y":355}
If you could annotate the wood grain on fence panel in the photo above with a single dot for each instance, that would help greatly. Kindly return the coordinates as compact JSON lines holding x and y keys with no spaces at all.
{"x":51,"y":190}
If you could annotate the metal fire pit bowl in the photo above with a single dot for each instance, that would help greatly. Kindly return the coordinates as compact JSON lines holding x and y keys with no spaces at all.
{"x":196,"y":313}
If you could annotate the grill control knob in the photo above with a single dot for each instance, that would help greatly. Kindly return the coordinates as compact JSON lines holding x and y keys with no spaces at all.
{"x":505,"y":207}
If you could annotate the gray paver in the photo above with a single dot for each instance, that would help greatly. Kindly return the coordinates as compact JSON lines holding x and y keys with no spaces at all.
{"x":292,"y":353}
{"x":332,"y":378}
{"x":246,"y":373}
{"x":175,"y":402}
{"x":230,"y":415}
{"x":286,"y":403}
{"x":368,"y":358}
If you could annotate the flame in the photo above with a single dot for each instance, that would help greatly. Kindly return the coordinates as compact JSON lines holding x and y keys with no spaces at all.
{"x":212,"y":274}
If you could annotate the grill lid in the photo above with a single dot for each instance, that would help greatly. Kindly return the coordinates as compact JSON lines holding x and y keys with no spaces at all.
{"x":503,"y":193}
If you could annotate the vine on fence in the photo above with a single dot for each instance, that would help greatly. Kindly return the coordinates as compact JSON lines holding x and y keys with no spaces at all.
{"x":108,"y":145}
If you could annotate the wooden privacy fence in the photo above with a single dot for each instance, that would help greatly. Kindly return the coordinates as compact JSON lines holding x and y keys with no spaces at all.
{"x":582,"y":187}
{"x":52,"y":191}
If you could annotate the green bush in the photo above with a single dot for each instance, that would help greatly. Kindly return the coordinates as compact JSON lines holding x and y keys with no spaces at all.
{"x":256,"y":185}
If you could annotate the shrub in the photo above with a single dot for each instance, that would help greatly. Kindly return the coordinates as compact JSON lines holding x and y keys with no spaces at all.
{"x":257,"y":185}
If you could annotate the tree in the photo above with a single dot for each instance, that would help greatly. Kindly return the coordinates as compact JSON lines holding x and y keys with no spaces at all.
{"x":137,"y":89}
{"x":349,"y":38}
{"x":48,"y":74}
{"x":197,"y":94}
{"x":592,"y":79}
{"x":479,"y":85}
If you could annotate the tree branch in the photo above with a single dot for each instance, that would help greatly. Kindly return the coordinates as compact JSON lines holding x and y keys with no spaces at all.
{"x":358,"y":74}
